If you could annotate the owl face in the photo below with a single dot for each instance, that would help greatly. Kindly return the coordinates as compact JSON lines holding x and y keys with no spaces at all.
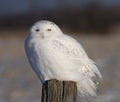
{"x":44,"y":29}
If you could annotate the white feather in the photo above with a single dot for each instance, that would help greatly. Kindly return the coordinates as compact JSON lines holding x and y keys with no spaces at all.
{"x":54,"y":55}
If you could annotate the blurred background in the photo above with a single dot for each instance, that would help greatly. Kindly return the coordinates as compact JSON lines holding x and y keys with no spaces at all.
{"x":94,"y":23}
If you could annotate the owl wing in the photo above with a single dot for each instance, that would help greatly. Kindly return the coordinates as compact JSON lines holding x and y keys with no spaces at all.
{"x":71,"y":49}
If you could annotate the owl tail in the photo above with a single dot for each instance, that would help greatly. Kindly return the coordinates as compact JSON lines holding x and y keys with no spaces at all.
{"x":86,"y":88}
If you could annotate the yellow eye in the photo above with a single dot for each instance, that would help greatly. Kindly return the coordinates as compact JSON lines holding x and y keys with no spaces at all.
{"x":49,"y":29}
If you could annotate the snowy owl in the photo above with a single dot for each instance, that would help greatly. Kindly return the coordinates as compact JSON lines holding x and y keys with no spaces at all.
{"x":55,"y":55}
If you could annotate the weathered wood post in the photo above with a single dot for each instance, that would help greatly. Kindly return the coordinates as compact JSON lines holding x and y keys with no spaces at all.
{"x":59,"y":91}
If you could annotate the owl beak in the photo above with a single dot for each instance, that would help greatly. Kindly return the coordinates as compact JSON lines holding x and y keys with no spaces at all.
{"x":42,"y":35}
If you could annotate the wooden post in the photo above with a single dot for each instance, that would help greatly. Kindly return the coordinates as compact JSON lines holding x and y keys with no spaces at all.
{"x":59,"y":91}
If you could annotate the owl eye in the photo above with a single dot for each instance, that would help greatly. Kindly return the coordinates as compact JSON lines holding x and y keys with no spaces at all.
{"x":37,"y":30}
{"x":49,"y":29}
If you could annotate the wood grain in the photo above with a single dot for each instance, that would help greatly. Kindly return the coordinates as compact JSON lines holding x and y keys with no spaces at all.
{"x":59,"y":91}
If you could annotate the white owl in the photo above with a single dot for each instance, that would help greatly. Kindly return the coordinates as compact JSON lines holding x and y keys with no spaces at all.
{"x":55,"y":55}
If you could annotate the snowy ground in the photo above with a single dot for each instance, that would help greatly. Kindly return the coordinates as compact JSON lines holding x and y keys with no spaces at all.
{"x":18,"y":83}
